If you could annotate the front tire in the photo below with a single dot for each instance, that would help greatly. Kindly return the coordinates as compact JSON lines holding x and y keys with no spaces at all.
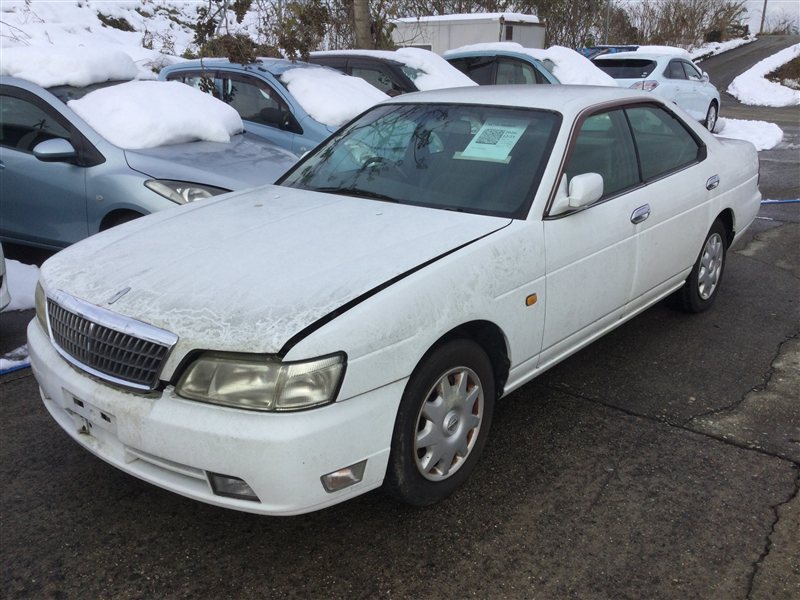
{"x":701,"y":287}
{"x":442,"y":424}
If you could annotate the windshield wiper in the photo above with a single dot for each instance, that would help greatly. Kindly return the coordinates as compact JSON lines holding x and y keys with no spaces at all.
{"x":358,"y":192}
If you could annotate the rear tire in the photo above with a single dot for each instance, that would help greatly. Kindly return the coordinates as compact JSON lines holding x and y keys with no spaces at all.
{"x":711,"y":117}
{"x":701,"y":287}
{"x":442,"y":424}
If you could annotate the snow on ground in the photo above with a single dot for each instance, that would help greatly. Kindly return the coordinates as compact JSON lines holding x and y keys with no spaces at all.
{"x":49,"y":66}
{"x":15,"y":360}
{"x":162,"y":27}
{"x":752,"y":87}
{"x":569,"y":66}
{"x":330,"y":97}
{"x":714,"y":48}
{"x":21,"y":284}
{"x":762,"y":134}
{"x":146,"y":114}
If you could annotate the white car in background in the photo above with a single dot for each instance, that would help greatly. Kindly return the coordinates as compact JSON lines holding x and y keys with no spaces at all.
{"x":672,"y":77}
{"x":286,"y":348}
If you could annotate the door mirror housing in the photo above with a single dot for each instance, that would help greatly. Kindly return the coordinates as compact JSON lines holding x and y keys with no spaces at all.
{"x":705,"y":77}
{"x":55,"y":150}
{"x":585,"y":189}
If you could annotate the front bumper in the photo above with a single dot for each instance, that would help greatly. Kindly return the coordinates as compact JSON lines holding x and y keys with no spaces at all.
{"x":174,"y":443}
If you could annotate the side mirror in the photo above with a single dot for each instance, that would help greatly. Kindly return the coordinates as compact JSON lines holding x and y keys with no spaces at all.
{"x":55,"y":150}
{"x":585,"y":189}
{"x":705,"y":77}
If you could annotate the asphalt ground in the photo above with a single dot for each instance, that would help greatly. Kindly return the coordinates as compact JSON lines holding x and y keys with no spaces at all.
{"x":663,"y":461}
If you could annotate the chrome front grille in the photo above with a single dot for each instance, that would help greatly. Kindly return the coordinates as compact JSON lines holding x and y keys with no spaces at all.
{"x":106,"y":344}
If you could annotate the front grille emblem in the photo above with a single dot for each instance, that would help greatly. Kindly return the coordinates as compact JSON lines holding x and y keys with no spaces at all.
{"x":118,"y":295}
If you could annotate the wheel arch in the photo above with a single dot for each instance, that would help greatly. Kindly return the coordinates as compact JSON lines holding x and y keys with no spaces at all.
{"x":118,"y":215}
{"x":726,"y":217}
{"x":490,"y":338}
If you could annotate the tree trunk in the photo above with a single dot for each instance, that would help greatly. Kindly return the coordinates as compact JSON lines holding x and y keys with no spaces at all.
{"x":361,"y":24}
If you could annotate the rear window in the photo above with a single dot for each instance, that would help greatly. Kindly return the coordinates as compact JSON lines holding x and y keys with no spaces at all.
{"x":629,"y":68}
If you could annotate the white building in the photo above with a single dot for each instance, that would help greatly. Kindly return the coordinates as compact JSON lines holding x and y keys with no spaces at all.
{"x":445,"y":32}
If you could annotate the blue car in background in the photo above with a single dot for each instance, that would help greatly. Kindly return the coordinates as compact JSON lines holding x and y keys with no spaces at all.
{"x":61,"y":181}
{"x":258,"y":95}
{"x":498,"y":67}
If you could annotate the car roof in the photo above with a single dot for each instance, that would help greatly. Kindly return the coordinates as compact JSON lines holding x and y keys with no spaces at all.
{"x":566,"y":99}
{"x":655,"y":56}
{"x":381,"y":55}
{"x":498,"y":52}
{"x":275,"y":66}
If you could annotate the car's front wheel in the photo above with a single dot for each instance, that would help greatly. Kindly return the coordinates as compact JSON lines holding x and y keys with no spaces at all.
{"x":711,"y":116}
{"x":702,"y":285}
{"x":442,"y":423}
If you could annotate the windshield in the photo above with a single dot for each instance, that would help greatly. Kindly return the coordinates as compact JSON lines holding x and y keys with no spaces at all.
{"x":480,"y":159}
{"x":629,"y":68}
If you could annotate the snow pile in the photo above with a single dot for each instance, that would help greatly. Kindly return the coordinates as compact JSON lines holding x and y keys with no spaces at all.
{"x":761,"y":134}
{"x":21,"y":284}
{"x":163,"y":28}
{"x":752,"y":87}
{"x":49,"y":66}
{"x":146,"y":114}
{"x":714,"y":48}
{"x":436,"y":72}
{"x":15,"y":360}
{"x":330,"y":97}
{"x":569,"y":66}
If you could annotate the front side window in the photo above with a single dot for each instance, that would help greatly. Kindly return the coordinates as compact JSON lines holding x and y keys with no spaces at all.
{"x":663,"y":142}
{"x":23,"y":124}
{"x":480,"y":68}
{"x":692,"y":73}
{"x":479,"y":159}
{"x":604,"y":145}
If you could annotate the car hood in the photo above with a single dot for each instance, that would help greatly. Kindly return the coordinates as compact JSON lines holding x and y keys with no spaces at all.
{"x":246,"y":161}
{"x":249,"y":271}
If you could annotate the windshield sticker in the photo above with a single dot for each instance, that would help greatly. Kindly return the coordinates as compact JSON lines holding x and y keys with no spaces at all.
{"x":494,"y":141}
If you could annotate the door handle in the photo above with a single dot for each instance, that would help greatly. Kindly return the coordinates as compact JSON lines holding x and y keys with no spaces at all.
{"x":640,"y":214}
{"x":712,"y":182}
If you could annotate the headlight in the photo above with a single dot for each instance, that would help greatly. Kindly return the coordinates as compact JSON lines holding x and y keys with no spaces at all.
{"x":41,"y":307}
{"x":259,"y":382}
{"x":182,"y":191}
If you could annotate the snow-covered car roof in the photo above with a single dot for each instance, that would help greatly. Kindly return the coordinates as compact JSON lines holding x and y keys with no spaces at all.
{"x":429,"y":70}
{"x":569,"y":66}
{"x":49,"y":66}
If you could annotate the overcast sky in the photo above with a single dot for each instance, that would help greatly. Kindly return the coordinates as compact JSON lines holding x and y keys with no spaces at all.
{"x":775,"y":8}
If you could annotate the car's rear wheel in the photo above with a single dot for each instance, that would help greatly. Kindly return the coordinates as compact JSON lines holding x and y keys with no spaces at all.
{"x":442,"y":423}
{"x":701,"y":287}
{"x":711,"y":116}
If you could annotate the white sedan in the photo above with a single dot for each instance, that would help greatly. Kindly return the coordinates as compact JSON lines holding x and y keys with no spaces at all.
{"x":283,"y":349}
{"x":672,"y":77}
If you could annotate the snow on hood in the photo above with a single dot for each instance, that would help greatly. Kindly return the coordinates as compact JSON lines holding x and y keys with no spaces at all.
{"x":570,"y":67}
{"x":246,"y":161}
{"x":147,"y":114}
{"x":50,"y":66}
{"x":246,"y":272}
{"x":330,"y":97}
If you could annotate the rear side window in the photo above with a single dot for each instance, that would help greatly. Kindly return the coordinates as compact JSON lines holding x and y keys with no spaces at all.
{"x":377,"y":78}
{"x":663,"y":143}
{"x":628,"y":68}
{"x":516,"y":71}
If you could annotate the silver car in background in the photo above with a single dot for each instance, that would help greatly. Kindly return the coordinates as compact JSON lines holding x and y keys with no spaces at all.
{"x":673,"y":77}
{"x":62,"y":181}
